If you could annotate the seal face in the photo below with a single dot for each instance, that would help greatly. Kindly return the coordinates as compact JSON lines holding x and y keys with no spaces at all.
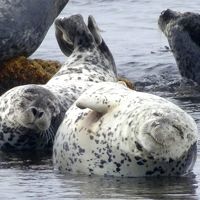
{"x":24,"y":25}
{"x":182,"y":31}
{"x":27,"y":120}
{"x":30,"y":114}
{"x":114,"y":131}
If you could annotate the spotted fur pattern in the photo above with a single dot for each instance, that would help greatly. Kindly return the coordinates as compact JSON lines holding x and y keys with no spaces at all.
{"x":114,"y":131}
{"x":30,"y":114}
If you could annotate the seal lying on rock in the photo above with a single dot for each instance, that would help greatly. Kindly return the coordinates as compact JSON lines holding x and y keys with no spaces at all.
{"x":31,"y":114}
{"x":114,"y":131}
{"x":24,"y":24}
{"x":182,"y":31}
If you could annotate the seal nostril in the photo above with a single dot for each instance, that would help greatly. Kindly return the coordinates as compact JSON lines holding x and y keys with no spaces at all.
{"x":40,"y":114}
{"x":37,"y":113}
{"x":34,"y":111}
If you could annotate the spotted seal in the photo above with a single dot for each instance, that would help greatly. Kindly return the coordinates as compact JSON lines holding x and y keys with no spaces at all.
{"x":114,"y":131}
{"x":24,"y":25}
{"x":31,"y":114}
{"x":182,"y":31}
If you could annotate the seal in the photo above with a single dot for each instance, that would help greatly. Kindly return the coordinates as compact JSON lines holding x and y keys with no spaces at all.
{"x":182,"y":31}
{"x":24,"y":25}
{"x":31,"y":114}
{"x":114,"y":131}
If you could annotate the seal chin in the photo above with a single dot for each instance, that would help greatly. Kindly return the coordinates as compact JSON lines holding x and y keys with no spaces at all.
{"x":38,"y":125}
{"x":162,"y":138}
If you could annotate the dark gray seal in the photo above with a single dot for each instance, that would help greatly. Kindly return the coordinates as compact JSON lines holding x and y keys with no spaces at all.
{"x":31,"y":114}
{"x":182,"y":31}
{"x":24,"y":24}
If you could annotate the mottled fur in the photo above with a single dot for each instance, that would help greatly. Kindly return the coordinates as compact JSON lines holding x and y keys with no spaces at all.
{"x":114,"y":131}
{"x":31,"y":114}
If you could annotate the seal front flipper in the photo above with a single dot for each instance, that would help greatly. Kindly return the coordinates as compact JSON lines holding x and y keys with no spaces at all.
{"x":96,"y":101}
{"x":99,"y":103}
{"x":182,"y":31}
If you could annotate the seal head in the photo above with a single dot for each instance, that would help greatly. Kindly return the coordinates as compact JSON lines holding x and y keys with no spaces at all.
{"x":182,"y":31}
{"x":36,"y":113}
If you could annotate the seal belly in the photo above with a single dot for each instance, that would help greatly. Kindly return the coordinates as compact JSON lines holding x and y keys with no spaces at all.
{"x":131,"y":134}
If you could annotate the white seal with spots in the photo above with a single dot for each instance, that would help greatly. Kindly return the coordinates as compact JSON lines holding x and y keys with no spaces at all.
{"x":31,"y":114}
{"x":114,"y":131}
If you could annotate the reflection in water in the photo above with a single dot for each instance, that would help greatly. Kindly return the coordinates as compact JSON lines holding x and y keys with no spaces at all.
{"x":138,"y":188}
{"x":130,"y":29}
{"x":36,"y":181}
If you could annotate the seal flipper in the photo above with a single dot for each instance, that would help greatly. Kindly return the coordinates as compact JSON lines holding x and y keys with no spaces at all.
{"x":66,"y":47}
{"x":96,"y":102}
{"x":94,"y":29}
{"x":72,"y":33}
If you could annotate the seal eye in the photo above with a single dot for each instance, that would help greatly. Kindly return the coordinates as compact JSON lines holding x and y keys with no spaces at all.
{"x":34,"y":111}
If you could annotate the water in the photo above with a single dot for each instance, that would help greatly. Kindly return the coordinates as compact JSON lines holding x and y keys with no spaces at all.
{"x":130,"y":29}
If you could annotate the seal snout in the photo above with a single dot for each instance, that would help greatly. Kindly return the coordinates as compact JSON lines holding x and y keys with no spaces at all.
{"x":36,"y":112}
{"x":167,"y":15}
{"x":34,"y":118}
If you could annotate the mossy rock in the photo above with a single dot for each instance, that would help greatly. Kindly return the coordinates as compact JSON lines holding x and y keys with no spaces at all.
{"x":20,"y":71}
{"x":128,"y":83}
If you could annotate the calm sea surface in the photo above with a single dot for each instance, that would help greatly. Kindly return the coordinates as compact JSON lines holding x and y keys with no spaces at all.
{"x":130,"y":29}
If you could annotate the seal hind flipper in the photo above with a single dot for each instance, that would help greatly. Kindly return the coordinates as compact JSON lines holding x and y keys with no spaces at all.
{"x":94,"y":29}
{"x":66,"y":47}
{"x":72,"y":33}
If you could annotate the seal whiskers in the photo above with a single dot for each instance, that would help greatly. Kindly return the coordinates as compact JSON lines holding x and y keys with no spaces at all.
{"x":30,"y":113}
